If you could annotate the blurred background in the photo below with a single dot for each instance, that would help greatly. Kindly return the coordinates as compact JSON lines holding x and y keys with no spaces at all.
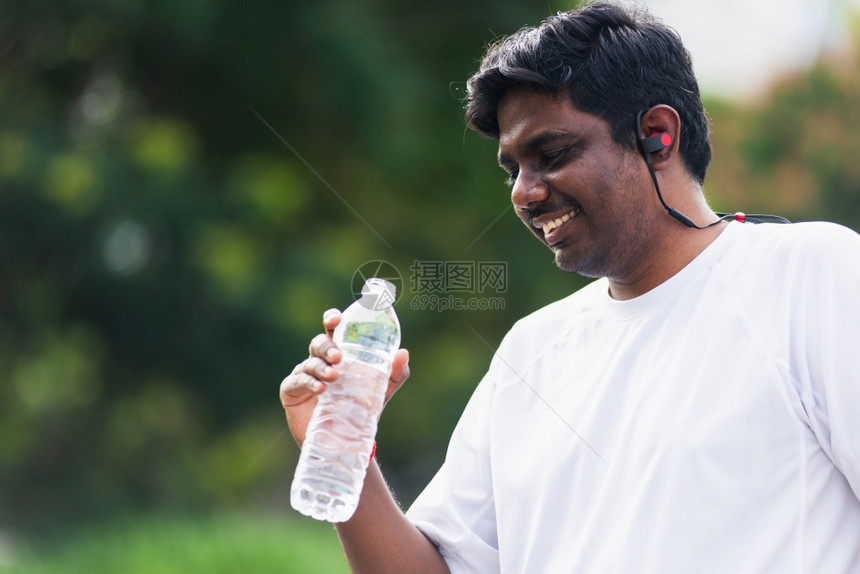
{"x":186,"y":186}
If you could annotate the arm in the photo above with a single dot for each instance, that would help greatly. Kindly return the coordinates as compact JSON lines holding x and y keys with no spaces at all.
{"x":828,"y":334}
{"x":378,"y":538}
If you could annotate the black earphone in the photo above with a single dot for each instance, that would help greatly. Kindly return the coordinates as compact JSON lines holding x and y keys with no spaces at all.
{"x":657,"y":141}
{"x":661,"y":140}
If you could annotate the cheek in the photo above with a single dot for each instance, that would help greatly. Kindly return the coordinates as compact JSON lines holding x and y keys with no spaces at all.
{"x":586,"y":178}
{"x":571,"y":177}
{"x":621,"y":191}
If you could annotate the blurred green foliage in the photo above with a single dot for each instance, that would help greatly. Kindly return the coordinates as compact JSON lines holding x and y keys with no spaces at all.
{"x":186,"y":187}
{"x":221,"y":544}
{"x":795,"y":151}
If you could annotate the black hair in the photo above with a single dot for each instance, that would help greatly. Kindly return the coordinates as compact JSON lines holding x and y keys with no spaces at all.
{"x":611,"y":60}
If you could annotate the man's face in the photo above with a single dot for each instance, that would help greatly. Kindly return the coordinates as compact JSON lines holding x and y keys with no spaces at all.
{"x":574,"y":188}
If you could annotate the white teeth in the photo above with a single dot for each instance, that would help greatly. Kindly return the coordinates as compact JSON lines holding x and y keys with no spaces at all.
{"x":550,"y":225}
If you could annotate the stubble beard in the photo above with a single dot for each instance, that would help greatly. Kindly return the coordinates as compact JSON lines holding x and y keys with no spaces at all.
{"x":612,"y":255}
{"x":622,"y":240}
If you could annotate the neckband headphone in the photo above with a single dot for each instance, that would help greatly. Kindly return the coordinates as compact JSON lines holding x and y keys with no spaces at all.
{"x":654,"y":142}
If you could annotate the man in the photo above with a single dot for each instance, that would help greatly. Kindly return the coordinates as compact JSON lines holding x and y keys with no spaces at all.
{"x":695,"y":409}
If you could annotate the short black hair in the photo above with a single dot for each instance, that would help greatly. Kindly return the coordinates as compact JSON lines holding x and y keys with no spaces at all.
{"x":612,"y":61}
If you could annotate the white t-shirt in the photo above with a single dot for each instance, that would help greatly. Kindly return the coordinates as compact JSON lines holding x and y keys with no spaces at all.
{"x":709,"y":425}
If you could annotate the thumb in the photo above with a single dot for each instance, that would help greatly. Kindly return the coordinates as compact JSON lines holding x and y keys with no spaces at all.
{"x":399,"y":372}
{"x":400,"y":366}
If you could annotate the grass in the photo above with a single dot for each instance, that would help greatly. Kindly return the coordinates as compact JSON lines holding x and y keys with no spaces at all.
{"x":224,"y":544}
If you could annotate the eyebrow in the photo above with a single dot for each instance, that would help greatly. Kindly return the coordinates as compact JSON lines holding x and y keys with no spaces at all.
{"x":541,"y":139}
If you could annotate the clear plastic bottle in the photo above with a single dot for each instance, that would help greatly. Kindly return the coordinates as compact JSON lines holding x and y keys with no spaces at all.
{"x":336,"y":452}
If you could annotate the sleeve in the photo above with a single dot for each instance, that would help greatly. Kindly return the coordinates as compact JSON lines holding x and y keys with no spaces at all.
{"x":831,"y":347}
{"x":456,"y":511}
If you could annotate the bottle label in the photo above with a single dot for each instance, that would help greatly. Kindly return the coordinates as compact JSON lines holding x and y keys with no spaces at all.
{"x":372,"y":337}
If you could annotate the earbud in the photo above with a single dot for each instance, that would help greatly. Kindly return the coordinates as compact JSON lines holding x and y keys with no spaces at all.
{"x":657,"y":141}
{"x":654,"y":143}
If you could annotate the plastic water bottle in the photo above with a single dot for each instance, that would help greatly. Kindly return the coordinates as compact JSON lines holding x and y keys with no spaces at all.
{"x":339,"y":440}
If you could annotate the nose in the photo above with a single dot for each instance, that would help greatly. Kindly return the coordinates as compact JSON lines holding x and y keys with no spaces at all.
{"x":528,"y":189}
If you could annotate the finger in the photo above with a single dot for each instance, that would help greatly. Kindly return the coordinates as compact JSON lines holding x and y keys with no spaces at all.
{"x":323,"y":347}
{"x":319,"y":369}
{"x":331,"y":318}
{"x":299,"y":387}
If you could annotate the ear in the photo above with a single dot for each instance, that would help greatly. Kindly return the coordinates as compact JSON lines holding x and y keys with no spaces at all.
{"x":660,"y":129}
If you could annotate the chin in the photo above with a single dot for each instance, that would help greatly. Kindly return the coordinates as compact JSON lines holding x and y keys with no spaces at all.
{"x":572,"y":265}
{"x":582,"y":264}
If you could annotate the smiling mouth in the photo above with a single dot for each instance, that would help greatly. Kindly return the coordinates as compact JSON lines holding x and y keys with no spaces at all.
{"x":549,"y":226}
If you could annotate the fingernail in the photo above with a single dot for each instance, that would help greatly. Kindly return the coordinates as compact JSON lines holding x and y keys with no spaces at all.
{"x":316,"y":387}
{"x":330,"y":354}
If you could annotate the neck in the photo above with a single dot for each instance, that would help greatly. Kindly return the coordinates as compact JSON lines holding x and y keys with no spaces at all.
{"x":677,"y":246}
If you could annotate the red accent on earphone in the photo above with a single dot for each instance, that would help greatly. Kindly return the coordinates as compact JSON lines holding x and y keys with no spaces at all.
{"x":657,"y":141}
{"x":665,"y":137}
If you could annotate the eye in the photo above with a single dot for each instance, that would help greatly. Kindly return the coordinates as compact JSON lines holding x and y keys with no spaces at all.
{"x":512,"y":177}
{"x":548,"y":158}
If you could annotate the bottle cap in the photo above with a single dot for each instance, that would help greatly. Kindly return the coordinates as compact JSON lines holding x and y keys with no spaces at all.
{"x":378,"y":294}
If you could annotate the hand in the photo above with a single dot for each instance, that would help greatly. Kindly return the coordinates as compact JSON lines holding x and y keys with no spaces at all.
{"x":311,"y":377}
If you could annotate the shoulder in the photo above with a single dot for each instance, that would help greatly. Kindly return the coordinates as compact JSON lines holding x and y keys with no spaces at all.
{"x":807,"y":248}
{"x":806,"y":236}
{"x":776,"y":270}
